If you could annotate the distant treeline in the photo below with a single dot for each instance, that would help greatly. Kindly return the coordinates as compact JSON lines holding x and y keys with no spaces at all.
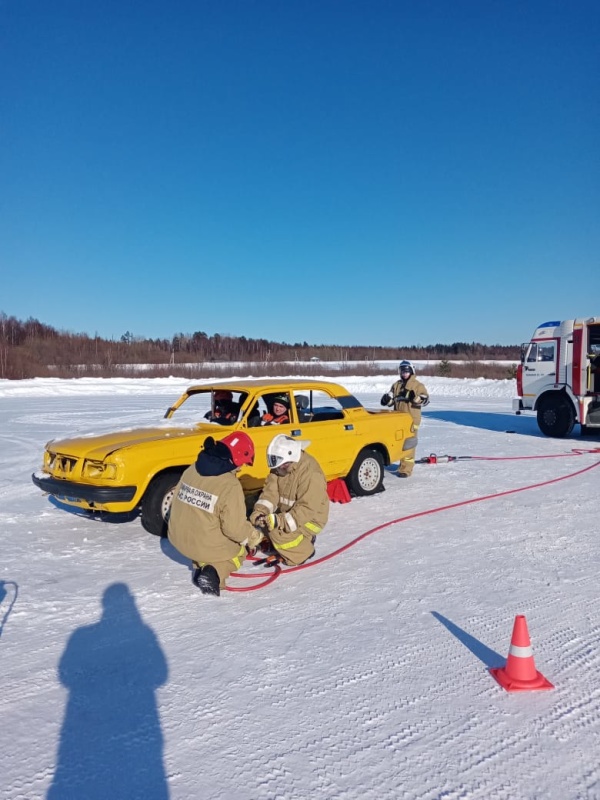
{"x":31,"y":349}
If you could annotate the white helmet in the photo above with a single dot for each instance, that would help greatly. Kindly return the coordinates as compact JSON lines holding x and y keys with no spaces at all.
{"x":283,"y":449}
{"x":406,"y":366}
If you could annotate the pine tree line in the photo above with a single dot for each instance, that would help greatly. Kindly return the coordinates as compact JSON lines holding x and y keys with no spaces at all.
{"x":32,"y":349}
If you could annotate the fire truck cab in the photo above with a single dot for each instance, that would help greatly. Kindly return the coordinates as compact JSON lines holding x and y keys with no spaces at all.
{"x":559,"y":376}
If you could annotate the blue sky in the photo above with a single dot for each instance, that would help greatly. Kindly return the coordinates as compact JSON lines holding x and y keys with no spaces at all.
{"x":378,"y":173}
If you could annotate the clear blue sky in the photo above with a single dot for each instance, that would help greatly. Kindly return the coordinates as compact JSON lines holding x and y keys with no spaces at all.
{"x":329,"y":171}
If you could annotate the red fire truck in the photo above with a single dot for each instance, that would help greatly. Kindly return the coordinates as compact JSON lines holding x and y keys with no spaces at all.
{"x":559,"y":376}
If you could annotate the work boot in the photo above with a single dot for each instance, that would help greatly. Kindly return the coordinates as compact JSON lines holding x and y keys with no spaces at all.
{"x":196,"y":576}
{"x":208,"y":580}
{"x":403,"y":475}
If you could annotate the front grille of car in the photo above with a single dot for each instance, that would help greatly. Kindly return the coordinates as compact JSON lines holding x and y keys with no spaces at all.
{"x":62,"y":466}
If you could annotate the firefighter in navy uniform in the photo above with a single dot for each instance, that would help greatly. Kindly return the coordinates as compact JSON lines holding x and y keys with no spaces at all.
{"x":207,"y":522}
{"x":407,"y":394}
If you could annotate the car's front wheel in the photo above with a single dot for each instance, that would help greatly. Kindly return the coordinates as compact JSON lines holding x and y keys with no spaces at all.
{"x":366,"y":475}
{"x":156,"y":503}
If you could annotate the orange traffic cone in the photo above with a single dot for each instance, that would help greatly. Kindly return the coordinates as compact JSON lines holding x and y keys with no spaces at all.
{"x":519,"y":673}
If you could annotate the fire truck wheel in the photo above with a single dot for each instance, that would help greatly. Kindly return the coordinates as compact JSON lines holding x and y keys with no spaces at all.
{"x":556,"y":416}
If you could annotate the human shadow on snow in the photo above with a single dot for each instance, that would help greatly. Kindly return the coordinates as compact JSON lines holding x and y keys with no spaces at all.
{"x":490,"y":657}
{"x":9,"y":591}
{"x":111,"y":743}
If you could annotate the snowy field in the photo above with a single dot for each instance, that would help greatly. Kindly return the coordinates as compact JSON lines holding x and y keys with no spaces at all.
{"x":362,"y":677}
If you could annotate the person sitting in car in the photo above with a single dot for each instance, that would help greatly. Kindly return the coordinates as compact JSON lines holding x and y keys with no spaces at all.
{"x":279,"y":413}
{"x":225,"y":411}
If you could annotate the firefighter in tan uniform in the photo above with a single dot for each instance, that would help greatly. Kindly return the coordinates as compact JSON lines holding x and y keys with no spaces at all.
{"x":407,"y":394}
{"x":207,"y":522}
{"x":293,"y":506}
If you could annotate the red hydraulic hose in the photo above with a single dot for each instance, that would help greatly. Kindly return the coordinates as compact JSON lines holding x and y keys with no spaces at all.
{"x":313,"y":563}
{"x":271,"y":576}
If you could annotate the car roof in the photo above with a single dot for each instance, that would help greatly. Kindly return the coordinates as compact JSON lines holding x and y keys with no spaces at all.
{"x":275,"y":384}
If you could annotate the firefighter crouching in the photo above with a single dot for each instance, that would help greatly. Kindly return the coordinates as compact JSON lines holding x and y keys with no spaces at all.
{"x":407,"y":394}
{"x":293,"y":506}
{"x":207,"y":522}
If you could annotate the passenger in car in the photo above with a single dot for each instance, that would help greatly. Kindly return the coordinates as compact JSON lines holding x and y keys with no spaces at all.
{"x":279,"y":413}
{"x":225,"y":411}
{"x":293,"y":506}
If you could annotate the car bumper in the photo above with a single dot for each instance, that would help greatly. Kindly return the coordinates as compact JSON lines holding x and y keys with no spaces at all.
{"x":83,"y":492}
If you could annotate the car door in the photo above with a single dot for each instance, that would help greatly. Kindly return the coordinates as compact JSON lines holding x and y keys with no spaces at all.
{"x":322,"y":420}
{"x":539,"y":367}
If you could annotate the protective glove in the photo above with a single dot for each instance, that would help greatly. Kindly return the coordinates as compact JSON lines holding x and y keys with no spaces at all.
{"x":410,"y":396}
{"x":257,"y":515}
{"x":254,"y":539}
{"x":385,"y":400}
{"x":271,"y":521}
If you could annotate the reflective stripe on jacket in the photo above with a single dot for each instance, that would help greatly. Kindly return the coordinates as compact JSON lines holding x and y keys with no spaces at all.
{"x":300,"y":497}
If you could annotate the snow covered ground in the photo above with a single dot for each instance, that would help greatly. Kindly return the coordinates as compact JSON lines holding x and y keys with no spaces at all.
{"x":363,"y":676}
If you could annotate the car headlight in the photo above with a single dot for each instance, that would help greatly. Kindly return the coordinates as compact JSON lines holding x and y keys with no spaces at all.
{"x":95,"y":470}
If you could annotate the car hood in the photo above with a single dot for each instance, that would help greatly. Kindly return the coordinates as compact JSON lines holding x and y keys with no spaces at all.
{"x":98,"y":446}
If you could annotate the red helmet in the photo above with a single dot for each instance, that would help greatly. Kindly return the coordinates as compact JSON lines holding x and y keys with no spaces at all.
{"x":241,"y":447}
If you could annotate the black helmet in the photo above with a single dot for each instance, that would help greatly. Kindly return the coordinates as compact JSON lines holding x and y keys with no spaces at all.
{"x":225,"y":407}
{"x":282,"y":400}
{"x":406,"y":366}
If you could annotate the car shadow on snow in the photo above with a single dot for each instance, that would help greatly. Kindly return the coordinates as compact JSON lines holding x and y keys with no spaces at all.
{"x":111,"y":742}
{"x":490,"y":657}
{"x":95,"y":516}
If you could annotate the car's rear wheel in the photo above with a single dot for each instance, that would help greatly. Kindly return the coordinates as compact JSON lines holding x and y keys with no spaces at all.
{"x":156,"y":503}
{"x":366,"y":476}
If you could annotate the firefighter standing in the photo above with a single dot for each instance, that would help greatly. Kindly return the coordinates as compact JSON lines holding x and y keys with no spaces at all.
{"x":407,"y":394}
{"x":293,"y":506}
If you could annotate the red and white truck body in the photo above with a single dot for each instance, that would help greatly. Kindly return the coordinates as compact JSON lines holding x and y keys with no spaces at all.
{"x":559,"y":376}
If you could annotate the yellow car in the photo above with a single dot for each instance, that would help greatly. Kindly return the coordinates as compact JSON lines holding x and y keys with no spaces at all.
{"x":138,"y":469}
